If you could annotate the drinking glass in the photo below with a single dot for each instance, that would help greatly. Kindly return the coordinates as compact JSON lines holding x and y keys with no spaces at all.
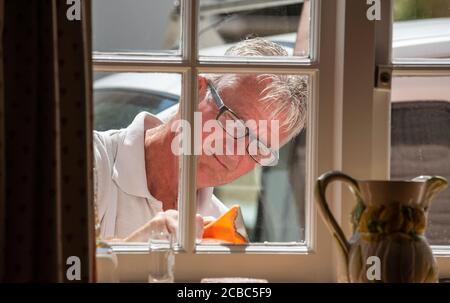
{"x":161,"y":256}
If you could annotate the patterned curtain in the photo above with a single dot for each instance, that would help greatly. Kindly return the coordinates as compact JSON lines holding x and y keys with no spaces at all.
{"x":45,"y":142}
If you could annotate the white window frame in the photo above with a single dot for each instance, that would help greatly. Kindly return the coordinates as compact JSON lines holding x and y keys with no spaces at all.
{"x":366,"y":144}
{"x":348,"y":130}
{"x":311,"y":263}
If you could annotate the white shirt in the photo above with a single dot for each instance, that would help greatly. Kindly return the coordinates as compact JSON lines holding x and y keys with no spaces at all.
{"x":123,"y":200}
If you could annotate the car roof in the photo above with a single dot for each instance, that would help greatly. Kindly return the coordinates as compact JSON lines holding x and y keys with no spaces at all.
{"x":426,"y":38}
{"x":168,"y":84}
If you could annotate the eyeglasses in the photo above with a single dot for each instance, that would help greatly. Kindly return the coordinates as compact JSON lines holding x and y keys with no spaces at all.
{"x":258,"y":151}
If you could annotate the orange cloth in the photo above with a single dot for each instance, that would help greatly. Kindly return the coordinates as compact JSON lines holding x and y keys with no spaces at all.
{"x":224,"y":228}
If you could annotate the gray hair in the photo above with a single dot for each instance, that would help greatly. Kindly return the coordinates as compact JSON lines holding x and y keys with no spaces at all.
{"x":285,"y":94}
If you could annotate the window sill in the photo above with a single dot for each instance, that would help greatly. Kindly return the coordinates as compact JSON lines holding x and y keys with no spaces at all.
{"x":276,"y":263}
{"x":275,"y":248}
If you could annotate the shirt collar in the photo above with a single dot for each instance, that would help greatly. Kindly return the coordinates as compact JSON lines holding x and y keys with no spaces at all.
{"x":129,"y":171}
{"x":129,"y":167}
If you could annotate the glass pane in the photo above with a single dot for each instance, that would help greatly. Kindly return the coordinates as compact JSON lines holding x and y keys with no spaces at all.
{"x":421,"y":29}
{"x":223,"y":23}
{"x":421,"y":141}
{"x":136,"y":26}
{"x":119,"y":97}
{"x":131,"y":114}
{"x":252,"y":202}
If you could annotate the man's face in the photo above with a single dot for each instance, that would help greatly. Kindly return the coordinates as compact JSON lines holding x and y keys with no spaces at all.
{"x":243,"y":98}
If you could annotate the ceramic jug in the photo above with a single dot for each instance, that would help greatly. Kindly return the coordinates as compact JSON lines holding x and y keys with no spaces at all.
{"x":389,"y":222}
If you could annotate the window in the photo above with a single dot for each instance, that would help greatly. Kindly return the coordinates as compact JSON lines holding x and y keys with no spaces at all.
{"x":419,"y":143}
{"x":420,"y":101}
{"x":122,"y":67}
{"x":337,"y":51}
{"x":271,"y":198}
{"x":224,"y":22}
{"x":421,"y":29}
{"x":119,"y":97}
{"x":135,"y":27}
{"x":381,"y":139}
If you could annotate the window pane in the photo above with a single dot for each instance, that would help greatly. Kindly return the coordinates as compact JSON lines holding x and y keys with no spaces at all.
{"x":127,"y":157}
{"x":226,"y":22}
{"x":271,"y":199}
{"x":421,"y":29}
{"x":421,"y":141}
{"x":136,"y":26}
{"x":119,"y":97}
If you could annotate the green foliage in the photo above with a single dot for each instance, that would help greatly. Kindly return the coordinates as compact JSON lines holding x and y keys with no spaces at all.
{"x":356,"y":214}
{"x":420,"y":9}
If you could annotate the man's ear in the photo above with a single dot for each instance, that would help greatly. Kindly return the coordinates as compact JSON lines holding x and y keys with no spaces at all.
{"x":202,"y":88}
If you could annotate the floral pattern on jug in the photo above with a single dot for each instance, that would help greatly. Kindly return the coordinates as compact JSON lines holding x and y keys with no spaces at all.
{"x":389,"y":222}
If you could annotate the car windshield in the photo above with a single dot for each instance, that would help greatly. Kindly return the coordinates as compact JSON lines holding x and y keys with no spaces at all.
{"x":116,"y":108}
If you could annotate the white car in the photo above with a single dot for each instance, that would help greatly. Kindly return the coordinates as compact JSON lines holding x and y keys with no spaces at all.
{"x":119,"y":97}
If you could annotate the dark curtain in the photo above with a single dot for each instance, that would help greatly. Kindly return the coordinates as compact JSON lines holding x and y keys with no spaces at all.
{"x":45,"y":150}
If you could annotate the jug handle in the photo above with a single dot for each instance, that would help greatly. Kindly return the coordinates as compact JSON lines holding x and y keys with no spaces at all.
{"x":435,"y":184}
{"x":321,"y":186}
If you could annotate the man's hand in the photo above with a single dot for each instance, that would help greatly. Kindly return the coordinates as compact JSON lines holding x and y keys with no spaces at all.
{"x":164,"y":222}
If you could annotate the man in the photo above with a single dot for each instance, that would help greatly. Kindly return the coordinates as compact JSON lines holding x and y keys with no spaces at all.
{"x":136,"y":169}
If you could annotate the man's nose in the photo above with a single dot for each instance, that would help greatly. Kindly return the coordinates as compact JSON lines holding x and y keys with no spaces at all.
{"x":234,"y":150}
